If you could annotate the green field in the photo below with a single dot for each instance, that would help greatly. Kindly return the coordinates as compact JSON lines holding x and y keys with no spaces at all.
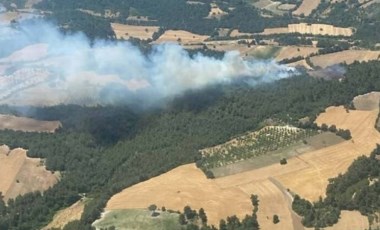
{"x":138,"y":219}
{"x":253,"y":145}
{"x":267,"y":52}
{"x":321,"y":140}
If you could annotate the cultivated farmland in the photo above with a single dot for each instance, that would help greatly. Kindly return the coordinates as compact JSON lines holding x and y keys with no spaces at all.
{"x":128,"y":31}
{"x":27,"y":124}
{"x":347,"y":56}
{"x":306,"y":7}
{"x":306,"y":175}
{"x":20,"y":174}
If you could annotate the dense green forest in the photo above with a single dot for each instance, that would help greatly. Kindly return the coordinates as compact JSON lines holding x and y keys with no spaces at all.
{"x":148,"y":143}
{"x":168,"y":14}
{"x":357,"y":189}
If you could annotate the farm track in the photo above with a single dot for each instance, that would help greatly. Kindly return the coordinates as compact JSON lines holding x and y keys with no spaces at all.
{"x":306,"y":175}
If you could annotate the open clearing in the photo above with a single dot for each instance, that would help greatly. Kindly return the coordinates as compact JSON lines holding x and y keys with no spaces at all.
{"x":138,"y":219}
{"x":313,"y":29}
{"x":20,"y":174}
{"x":288,"y":52}
{"x":368,"y":101}
{"x":306,"y":7}
{"x":123,"y":31}
{"x":350,"y":220}
{"x":181,"y":36}
{"x":306,"y":175}
{"x":215,"y":11}
{"x":27,"y":124}
{"x":347,"y":56}
{"x":74,"y":212}
{"x":316,"y":142}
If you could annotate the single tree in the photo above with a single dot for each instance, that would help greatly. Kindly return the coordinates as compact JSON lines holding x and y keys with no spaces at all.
{"x":276,"y":219}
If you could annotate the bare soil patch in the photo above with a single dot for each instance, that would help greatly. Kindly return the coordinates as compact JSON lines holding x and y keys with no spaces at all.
{"x":20,"y":174}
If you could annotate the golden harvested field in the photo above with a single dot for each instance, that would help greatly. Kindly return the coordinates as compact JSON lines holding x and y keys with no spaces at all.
{"x":74,"y":212}
{"x":182,"y":36}
{"x":295,"y":51}
{"x":350,"y":220}
{"x":302,"y":63}
{"x":123,"y":31}
{"x":306,"y":175}
{"x":348,"y":56}
{"x":306,"y":7}
{"x":236,"y":33}
{"x":369,"y":101}
{"x":27,"y":124}
{"x":20,"y":174}
{"x":314,"y":29}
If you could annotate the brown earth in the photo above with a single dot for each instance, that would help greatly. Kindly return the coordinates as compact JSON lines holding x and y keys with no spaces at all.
{"x":27,"y":124}
{"x":123,"y":31}
{"x":306,"y":175}
{"x":61,"y":218}
{"x":347,"y":56}
{"x":20,"y":174}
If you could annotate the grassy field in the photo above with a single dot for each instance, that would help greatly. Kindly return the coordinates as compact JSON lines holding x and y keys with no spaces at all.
{"x":321,"y":140}
{"x":265,"y":52}
{"x":63,"y":217}
{"x":138,"y":219}
{"x":20,"y":174}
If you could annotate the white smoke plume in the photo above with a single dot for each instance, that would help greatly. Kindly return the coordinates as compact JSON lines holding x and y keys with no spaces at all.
{"x":40,"y":65}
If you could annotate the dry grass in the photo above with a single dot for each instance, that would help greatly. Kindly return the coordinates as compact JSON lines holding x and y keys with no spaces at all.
{"x":289,"y":52}
{"x":20,"y":174}
{"x":369,"y":101}
{"x":348,"y":56}
{"x":306,"y":175}
{"x":350,"y":220}
{"x":301,"y":63}
{"x":123,"y":31}
{"x":27,"y":124}
{"x":287,"y":7}
{"x":306,"y":7}
{"x":314,"y":29}
{"x":181,"y":36}
{"x":236,"y":33}
{"x":74,"y":212}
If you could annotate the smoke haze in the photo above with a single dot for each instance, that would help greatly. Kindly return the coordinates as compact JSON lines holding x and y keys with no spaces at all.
{"x":41,"y":66}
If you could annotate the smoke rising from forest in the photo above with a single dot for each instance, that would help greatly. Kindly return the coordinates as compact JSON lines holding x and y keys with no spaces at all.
{"x":37,"y":54}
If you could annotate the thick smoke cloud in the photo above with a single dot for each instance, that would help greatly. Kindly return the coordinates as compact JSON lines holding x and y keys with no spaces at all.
{"x":40,"y":65}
